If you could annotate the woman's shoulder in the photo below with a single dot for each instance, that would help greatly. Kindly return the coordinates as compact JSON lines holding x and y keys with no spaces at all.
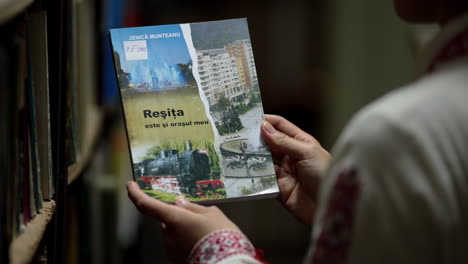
{"x":427,"y":108}
{"x":425,"y":103}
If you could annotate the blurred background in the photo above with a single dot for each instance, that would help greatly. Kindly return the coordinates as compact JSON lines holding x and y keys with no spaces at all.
{"x":318,"y":62}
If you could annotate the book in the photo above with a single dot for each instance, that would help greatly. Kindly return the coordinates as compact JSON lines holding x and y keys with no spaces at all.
{"x":37,"y":35}
{"x":8,"y":139}
{"x":36,"y":53}
{"x":193,"y":110}
{"x":23,"y":184}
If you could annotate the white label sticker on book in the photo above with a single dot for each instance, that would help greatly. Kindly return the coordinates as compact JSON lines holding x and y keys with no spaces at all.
{"x":136,"y":50}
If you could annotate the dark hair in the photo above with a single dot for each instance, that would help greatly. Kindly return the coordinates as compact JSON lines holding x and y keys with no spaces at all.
{"x":461,"y":4}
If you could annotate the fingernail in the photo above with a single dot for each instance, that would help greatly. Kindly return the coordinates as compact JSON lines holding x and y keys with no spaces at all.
{"x":180,"y":201}
{"x":268,"y":127}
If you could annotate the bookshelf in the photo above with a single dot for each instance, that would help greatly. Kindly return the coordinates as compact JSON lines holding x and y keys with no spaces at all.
{"x":24,"y":247}
{"x":48,"y":98}
{"x":93,"y":127}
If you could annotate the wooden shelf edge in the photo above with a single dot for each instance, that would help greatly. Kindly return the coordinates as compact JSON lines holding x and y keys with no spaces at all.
{"x":23,"y":248}
{"x":10,"y":8}
{"x":93,"y":128}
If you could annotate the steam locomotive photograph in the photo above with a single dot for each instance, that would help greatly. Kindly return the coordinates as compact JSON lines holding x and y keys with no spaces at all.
{"x":186,"y":173}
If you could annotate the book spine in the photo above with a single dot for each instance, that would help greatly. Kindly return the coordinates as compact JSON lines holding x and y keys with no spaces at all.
{"x":36,"y":201}
{"x":24,"y":171}
{"x":37,"y":34}
{"x":8,"y":139}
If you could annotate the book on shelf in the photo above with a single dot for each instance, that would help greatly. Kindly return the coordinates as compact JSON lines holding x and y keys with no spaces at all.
{"x":12,"y":54}
{"x":38,"y":64}
{"x":7,"y":201}
{"x":24,"y":194}
{"x":193,"y":110}
{"x":25,"y":106}
{"x":36,"y":80}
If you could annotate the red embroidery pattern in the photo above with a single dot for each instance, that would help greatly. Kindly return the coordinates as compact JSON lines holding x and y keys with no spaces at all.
{"x":334,"y":239}
{"x":219,"y":245}
{"x":260,"y":255}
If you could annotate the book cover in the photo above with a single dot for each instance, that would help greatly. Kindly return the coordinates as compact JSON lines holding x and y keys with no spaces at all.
{"x":193,"y":110}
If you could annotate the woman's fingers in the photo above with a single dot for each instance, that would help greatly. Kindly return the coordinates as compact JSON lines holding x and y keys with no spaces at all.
{"x":283,"y":125}
{"x":181,"y":202}
{"x":281,"y":142}
{"x":149,"y":206}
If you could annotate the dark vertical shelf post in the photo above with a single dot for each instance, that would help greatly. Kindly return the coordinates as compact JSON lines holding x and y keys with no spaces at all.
{"x":59,"y":40}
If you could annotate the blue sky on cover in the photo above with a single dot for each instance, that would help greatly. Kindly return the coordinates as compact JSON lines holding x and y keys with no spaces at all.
{"x":162,"y":52}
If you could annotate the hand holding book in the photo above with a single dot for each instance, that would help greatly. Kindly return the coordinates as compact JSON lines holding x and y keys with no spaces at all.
{"x":301,"y":164}
{"x":184,"y":223}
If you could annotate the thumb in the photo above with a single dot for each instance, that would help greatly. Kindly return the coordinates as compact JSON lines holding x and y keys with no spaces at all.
{"x":278,"y":141}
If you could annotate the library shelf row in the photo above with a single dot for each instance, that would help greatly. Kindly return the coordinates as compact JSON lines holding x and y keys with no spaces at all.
{"x":24,"y":247}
